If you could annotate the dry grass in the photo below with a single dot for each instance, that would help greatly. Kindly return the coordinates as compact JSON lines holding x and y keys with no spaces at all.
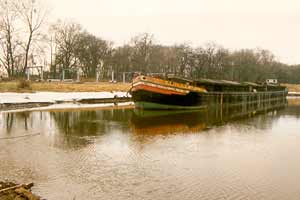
{"x":292,"y":87}
{"x":66,"y":87}
{"x":85,"y":87}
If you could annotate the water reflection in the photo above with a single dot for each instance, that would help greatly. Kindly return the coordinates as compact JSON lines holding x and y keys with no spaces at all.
{"x":16,"y":119}
{"x":65,"y":128}
{"x":77,"y":129}
{"x":164,"y":122}
{"x":88,"y":123}
{"x":91,"y":123}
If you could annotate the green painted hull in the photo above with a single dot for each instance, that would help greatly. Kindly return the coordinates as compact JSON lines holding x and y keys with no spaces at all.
{"x":157,"y":106}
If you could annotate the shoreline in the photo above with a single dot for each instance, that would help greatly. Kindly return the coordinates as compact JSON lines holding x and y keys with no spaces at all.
{"x":60,"y":100}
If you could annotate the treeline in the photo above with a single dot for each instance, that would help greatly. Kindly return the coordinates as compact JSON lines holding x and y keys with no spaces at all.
{"x":76,"y":48}
{"x":68,"y":47}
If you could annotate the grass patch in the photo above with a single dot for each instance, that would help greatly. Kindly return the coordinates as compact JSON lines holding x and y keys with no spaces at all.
{"x":64,"y":87}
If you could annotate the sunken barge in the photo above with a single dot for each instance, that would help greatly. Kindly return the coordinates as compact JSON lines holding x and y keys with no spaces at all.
{"x":173,"y":93}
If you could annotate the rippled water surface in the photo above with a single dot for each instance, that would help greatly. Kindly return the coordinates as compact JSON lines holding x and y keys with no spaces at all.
{"x":129,"y":154}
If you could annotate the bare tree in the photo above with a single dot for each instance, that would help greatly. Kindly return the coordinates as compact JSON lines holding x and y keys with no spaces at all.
{"x":91,"y":51}
{"x":33,"y":15}
{"x":142,"y":45}
{"x":8,"y":18}
{"x":121,"y":58}
{"x":67,"y":35}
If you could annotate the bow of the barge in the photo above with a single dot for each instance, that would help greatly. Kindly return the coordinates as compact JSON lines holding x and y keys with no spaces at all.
{"x":155,"y":93}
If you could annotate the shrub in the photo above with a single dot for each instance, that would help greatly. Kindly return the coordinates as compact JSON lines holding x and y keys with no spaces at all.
{"x":24,"y":84}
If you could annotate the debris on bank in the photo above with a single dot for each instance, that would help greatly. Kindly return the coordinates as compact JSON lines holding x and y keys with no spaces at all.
{"x":13,"y":191}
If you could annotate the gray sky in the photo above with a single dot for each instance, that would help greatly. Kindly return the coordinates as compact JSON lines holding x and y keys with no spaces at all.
{"x":234,"y":24}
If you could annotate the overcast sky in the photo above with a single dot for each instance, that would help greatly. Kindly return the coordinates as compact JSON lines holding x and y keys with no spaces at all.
{"x":234,"y":24}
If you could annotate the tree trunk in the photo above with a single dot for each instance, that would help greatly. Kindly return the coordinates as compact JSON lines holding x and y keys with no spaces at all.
{"x":27,"y":53}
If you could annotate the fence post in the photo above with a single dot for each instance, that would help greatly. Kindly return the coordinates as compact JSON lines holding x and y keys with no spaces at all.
{"x":112,"y":76}
{"x":78,"y":76}
{"x":28,"y":74}
{"x":124,"y":77}
{"x":63,"y":75}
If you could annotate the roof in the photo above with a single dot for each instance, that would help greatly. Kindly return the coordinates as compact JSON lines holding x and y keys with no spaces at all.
{"x":251,"y":84}
{"x":172,"y":76}
{"x":206,"y":81}
{"x":218,"y":82}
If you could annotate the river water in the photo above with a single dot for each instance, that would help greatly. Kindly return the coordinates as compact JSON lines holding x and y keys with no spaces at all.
{"x":130,"y":154}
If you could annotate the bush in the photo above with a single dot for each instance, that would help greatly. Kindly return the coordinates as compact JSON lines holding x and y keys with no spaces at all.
{"x":24,"y":84}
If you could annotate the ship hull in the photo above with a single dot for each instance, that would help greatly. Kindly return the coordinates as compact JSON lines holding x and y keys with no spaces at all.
{"x":158,"y":106}
{"x":157,"y":94}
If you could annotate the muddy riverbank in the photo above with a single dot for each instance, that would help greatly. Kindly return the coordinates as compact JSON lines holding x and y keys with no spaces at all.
{"x":14,"y":191}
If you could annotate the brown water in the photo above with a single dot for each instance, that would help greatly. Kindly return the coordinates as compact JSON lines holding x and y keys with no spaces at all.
{"x":125,"y":154}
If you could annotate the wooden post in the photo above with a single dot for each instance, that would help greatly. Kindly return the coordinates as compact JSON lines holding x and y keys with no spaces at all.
{"x":124,"y":77}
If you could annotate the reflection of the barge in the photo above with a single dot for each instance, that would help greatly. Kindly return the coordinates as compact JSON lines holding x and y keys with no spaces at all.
{"x":160,"y":122}
{"x":165,"y":122}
